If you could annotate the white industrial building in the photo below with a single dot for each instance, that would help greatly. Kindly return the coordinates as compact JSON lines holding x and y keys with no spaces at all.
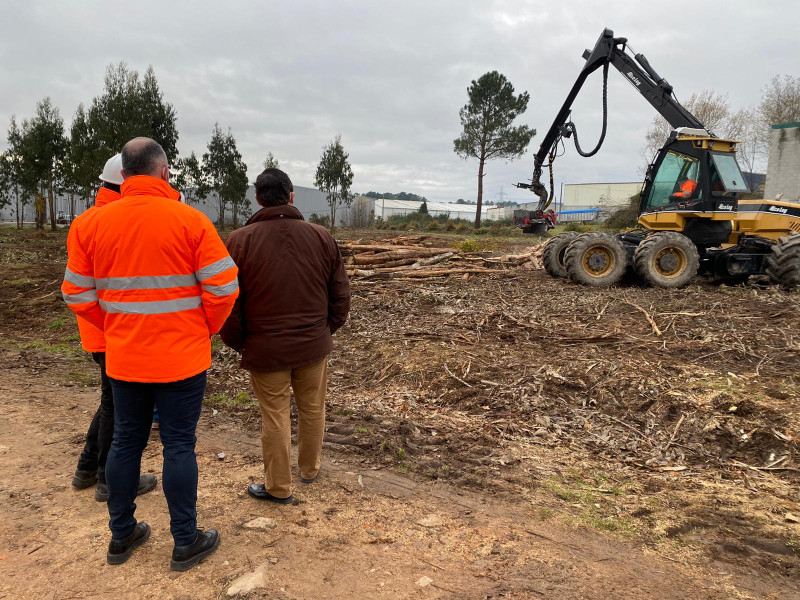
{"x":580,"y":201}
{"x":385,"y":208}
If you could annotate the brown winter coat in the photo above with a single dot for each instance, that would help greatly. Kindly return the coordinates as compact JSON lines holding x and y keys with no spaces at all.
{"x":293,"y":291}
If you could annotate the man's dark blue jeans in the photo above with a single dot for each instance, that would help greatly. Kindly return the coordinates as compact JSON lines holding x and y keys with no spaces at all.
{"x":179,"y":405}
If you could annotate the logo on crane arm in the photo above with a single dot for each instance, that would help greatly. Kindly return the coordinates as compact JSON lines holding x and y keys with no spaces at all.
{"x":725,"y":207}
{"x":779,"y":209}
{"x":635,"y":80}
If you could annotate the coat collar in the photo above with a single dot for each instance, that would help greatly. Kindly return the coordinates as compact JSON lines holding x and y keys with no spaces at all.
{"x":269,"y":213}
{"x":104,"y":196}
{"x":145,"y":185}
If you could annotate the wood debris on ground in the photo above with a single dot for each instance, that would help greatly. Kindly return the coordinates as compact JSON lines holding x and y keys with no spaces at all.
{"x":406,"y":257}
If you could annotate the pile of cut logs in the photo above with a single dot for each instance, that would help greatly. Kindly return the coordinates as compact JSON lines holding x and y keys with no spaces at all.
{"x":399,"y":258}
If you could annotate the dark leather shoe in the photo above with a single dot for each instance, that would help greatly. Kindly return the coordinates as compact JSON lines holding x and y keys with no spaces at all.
{"x":308,"y":479}
{"x":257,"y":490}
{"x":84,"y":479}
{"x":204,"y":545}
{"x":120,"y":550}
{"x":146,"y":483}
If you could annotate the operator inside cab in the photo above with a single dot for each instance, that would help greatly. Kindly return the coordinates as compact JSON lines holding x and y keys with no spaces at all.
{"x":687,"y":189}
{"x":687,"y":181}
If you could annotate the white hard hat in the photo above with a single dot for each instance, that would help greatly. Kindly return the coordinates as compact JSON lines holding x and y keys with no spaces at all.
{"x":112,"y":172}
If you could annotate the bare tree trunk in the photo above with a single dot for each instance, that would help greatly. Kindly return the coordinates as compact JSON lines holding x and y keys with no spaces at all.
{"x":71,"y":207}
{"x":221,"y":211}
{"x":333,"y":215}
{"x":20,"y":208}
{"x":235,"y":209}
{"x":51,"y":202}
{"x":480,"y":193}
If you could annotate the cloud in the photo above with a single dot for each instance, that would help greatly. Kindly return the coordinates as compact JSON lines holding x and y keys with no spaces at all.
{"x":390,"y":77}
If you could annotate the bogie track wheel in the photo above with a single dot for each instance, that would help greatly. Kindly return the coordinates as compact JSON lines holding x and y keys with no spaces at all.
{"x":666,"y":259}
{"x":553,"y":254}
{"x":596,"y":259}
{"x":783,"y":265}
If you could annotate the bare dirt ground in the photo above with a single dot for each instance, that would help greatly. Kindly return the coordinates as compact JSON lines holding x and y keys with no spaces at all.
{"x":503,"y":436}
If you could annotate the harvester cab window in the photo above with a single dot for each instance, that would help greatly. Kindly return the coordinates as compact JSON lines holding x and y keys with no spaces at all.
{"x":725,"y":173}
{"x":675,"y":181}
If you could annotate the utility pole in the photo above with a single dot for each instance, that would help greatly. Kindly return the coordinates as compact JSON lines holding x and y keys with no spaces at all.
{"x":501,"y":193}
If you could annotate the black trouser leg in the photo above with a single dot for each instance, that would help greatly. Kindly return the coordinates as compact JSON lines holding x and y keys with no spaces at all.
{"x":100,"y":427}
{"x":105,"y":428}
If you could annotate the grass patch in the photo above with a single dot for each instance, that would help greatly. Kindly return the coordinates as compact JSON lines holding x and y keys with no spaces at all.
{"x":57,"y":323}
{"x":240,"y":400}
{"x":612,"y":524}
{"x":362,"y":430}
{"x":84,"y":378}
{"x":473,"y":245}
{"x":58,"y":348}
{"x":21,"y":282}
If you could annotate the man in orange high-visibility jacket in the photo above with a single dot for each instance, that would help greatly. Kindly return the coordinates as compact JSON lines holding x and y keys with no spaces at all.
{"x":155,"y":276}
{"x":92,"y":462}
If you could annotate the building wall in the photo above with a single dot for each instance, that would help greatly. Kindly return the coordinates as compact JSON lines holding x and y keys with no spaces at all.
{"x":599,"y":195}
{"x":783,"y":165}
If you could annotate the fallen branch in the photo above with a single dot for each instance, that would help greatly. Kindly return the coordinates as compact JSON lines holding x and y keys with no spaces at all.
{"x":675,"y":432}
{"x":454,"y":376}
{"x":647,"y":316}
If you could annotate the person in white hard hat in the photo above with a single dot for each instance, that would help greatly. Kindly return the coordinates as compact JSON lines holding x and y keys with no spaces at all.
{"x":92,"y":462}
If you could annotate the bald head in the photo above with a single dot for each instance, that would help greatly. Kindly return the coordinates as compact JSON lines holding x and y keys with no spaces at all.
{"x":144,"y":156}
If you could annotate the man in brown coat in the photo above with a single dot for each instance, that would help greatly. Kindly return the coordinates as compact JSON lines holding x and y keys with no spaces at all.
{"x":293,"y":294}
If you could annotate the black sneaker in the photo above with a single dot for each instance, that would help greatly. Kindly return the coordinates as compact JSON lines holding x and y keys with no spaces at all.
{"x":120,"y":550}
{"x":84,"y":479}
{"x":204,"y":545}
{"x":146,"y":483}
{"x":257,"y":490}
{"x":308,"y":479}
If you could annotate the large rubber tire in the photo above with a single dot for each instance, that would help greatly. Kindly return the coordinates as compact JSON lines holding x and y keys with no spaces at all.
{"x":596,"y":259}
{"x":666,"y":259}
{"x":553,"y":254}
{"x":783,"y":265}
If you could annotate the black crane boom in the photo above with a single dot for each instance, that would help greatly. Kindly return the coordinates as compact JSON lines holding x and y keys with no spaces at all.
{"x":609,"y":50}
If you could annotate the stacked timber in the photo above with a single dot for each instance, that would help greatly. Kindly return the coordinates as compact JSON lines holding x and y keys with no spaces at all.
{"x":413,"y":261}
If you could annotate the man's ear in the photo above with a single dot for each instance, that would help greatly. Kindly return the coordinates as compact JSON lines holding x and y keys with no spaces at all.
{"x":291,"y":198}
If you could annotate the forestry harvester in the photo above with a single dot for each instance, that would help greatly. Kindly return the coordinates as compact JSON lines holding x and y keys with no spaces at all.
{"x":690,"y":213}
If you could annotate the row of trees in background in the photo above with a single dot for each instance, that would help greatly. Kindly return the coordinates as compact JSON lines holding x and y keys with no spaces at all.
{"x":44,"y":160}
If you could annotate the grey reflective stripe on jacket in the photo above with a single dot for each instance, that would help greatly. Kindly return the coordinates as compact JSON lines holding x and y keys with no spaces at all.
{"x":158,"y":307}
{"x":215,"y":268}
{"x":82,"y":298}
{"x":146,"y":282}
{"x":79,"y":280}
{"x":222,"y":290}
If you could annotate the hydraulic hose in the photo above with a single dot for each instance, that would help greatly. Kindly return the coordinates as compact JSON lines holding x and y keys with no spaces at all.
{"x":574,"y":130}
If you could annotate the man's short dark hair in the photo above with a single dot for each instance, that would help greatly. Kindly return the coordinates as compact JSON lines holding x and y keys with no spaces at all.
{"x":273,"y":187}
{"x":142,"y":156}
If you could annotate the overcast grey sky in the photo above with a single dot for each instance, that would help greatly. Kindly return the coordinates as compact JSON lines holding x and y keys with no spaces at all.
{"x":390,"y":77}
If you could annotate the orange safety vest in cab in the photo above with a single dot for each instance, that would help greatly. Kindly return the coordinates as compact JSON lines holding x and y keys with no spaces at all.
{"x":92,"y":338}
{"x":154,"y":275}
{"x":687,"y":189}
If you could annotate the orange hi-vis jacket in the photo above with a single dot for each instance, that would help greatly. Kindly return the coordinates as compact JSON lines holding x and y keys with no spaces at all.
{"x":92,"y":338}
{"x":154,"y":275}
